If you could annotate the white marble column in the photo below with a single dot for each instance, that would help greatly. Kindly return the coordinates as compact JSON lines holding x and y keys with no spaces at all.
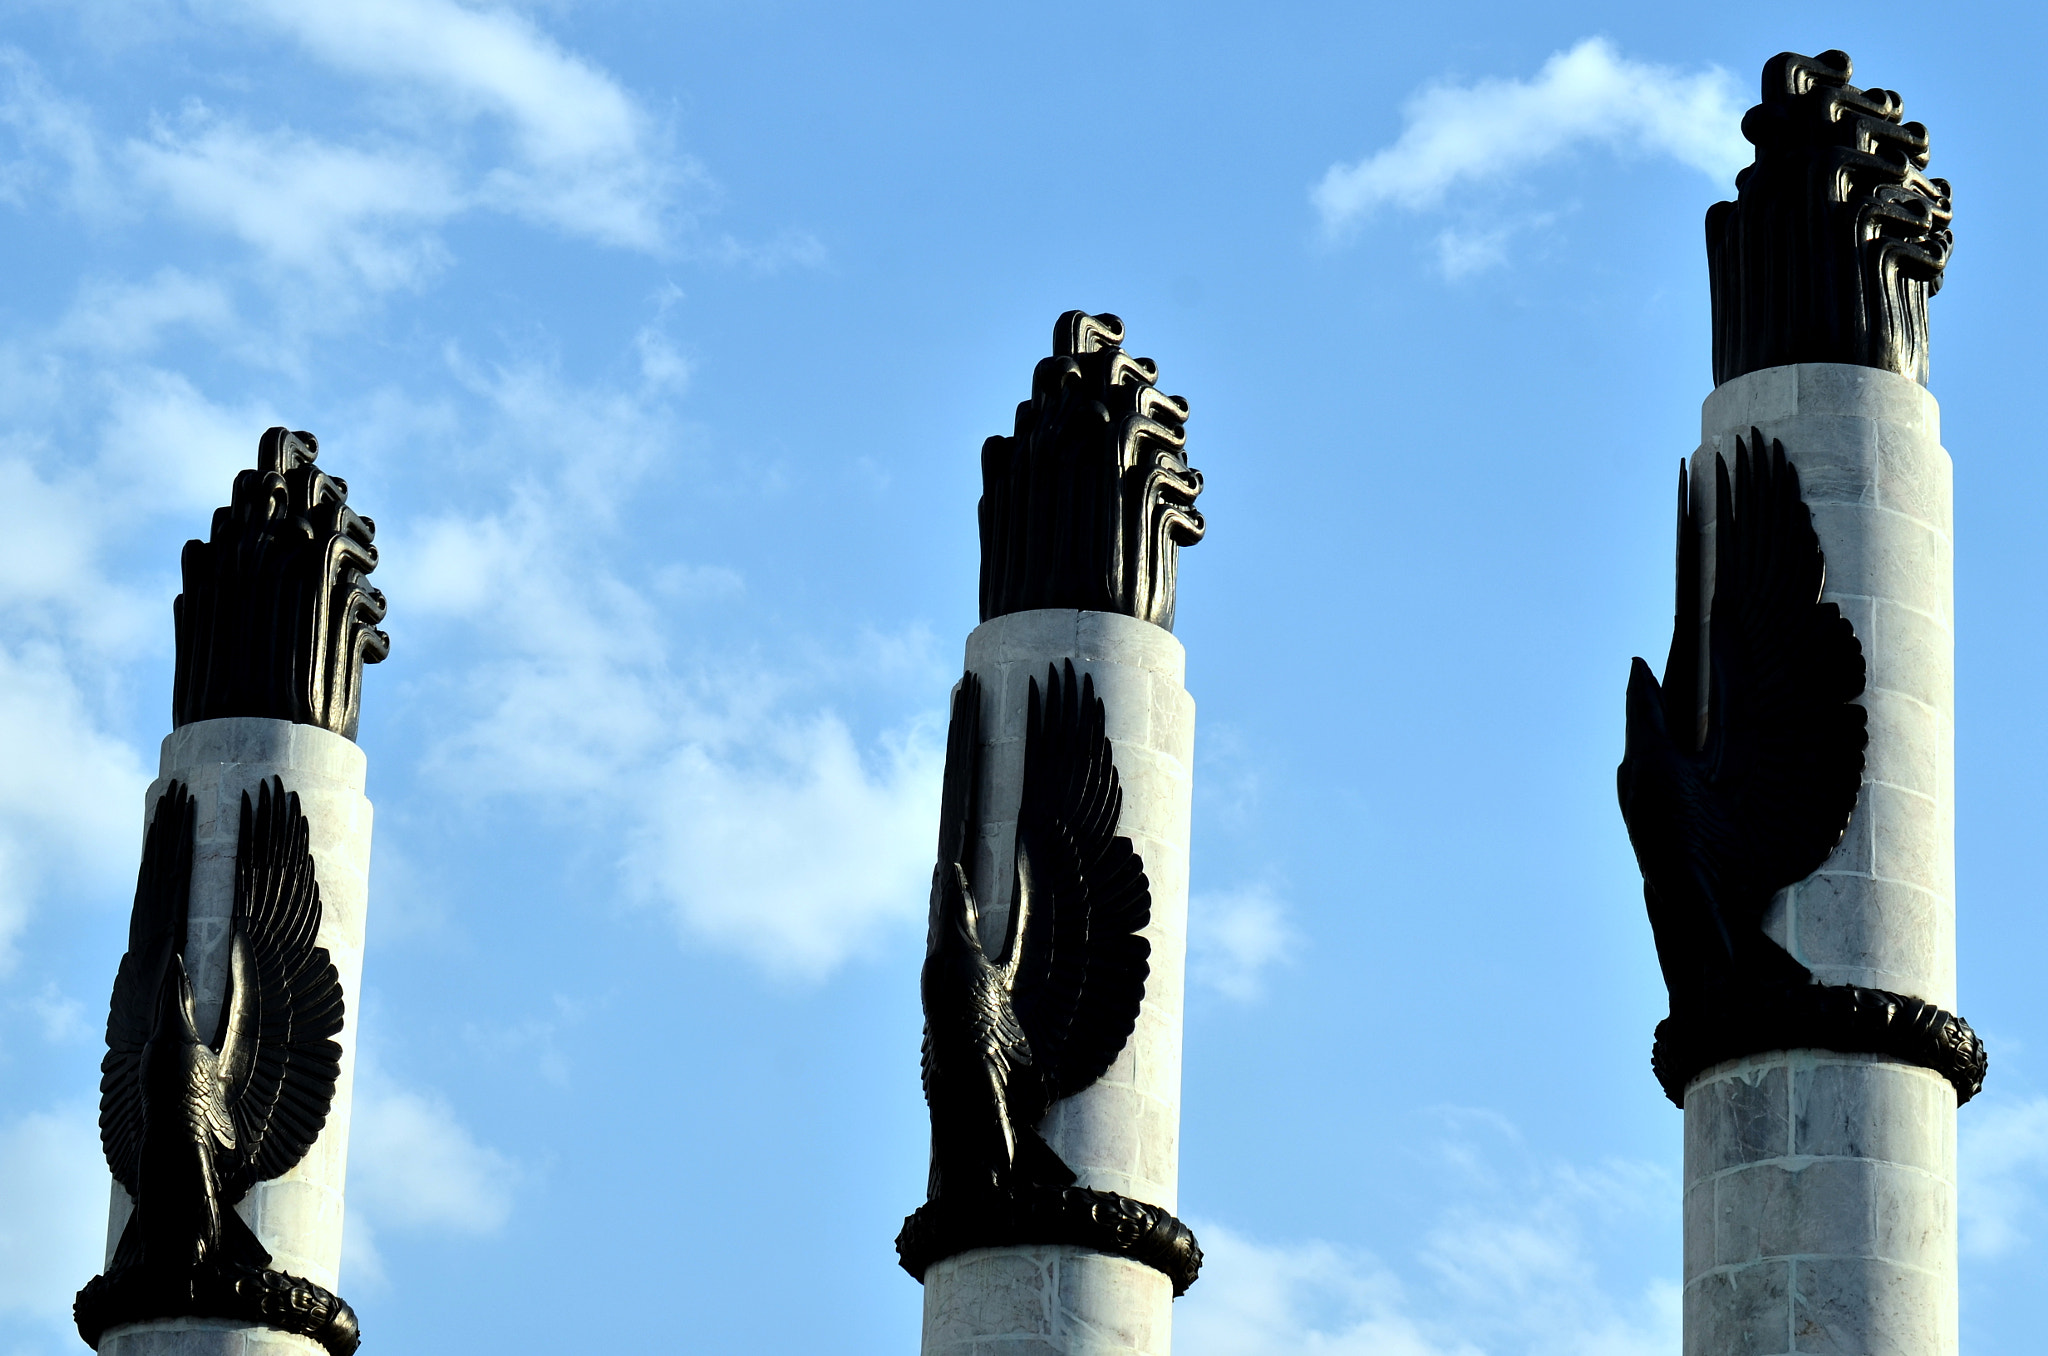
{"x":1122,"y":1134}
{"x":1820,"y":1196}
{"x":298,"y":1216}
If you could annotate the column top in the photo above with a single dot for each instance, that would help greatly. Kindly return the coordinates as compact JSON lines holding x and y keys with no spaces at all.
{"x":306,"y":749}
{"x":1044,"y":634}
{"x":1771,"y":394}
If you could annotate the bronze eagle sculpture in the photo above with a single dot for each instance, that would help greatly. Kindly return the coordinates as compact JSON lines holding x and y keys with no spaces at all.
{"x":1737,"y":789}
{"x":1742,"y":771}
{"x":1008,"y":1035}
{"x":191,"y":1120}
{"x":1012,"y":1029}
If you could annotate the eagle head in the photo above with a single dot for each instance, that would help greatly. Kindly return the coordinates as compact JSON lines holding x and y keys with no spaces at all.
{"x":956,"y":918}
{"x":175,"y":1016}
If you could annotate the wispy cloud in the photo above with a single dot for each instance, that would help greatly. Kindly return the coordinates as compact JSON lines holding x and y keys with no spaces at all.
{"x":2003,"y":1161}
{"x":335,"y":213}
{"x":728,"y":789}
{"x":795,"y":850}
{"x":113,"y":319}
{"x":474,"y":109}
{"x":414,"y":1167}
{"x":1307,"y":1299}
{"x":1507,"y":1271}
{"x":55,"y":147}
{"x":53,"y":1211}
{"x":100,"y":453}
{"x":1234,"y":937}
{"x":1493,"y":131}
{"x":70,"y":795}
{"x":584,"y":156}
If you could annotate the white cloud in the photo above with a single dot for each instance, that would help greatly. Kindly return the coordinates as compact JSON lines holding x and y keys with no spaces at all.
{"x":105,"y":453}
{"x":473,"y":109}
{"x":483,"y":112}
{"x":1233,"y":937}
{"x":414,"y":1165}
{"x":53,"y":1211}
{"x":1509,"y":1273}
{"x":770,"y":832}
{"x":662,"y":367}
{"x":47,"y":127}
{"x":1524,"y":1281}
{"x":1309,"y":1299}
{"x":1496,"y":129}
{"x":415,"y":1168}
{"x":48,"y":554}
{"x":167,"y":448}
{"x":117,"y":319}
{"x":312,"y":206}
{"x":787,"y":249}
{"x":70,"y":795}
{"x":2003,"y":1160}
{"x":112,"y":449}
{"x":725,"y":790}
{"x":450,"y":565}
{"x":797,"y":852}
{"x":586,"y":158}
{"x":1462,"y":253}
{"x":63,"y":1018}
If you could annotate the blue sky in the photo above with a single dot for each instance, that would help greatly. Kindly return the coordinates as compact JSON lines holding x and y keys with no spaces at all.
{"x":661,"y":339}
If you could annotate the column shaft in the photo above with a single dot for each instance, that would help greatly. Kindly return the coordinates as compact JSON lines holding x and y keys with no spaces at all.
{"x":1820,"y":1198}
{"x":297,"y":1216}
{"x":1122,"y":1134}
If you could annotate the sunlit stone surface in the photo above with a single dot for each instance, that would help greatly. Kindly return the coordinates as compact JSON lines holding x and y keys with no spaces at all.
{"x":297,"y":1216}
{"x":1820,"y":1198}
{"x":1122,"y":1134}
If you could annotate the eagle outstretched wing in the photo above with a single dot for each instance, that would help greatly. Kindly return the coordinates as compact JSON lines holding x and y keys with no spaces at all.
{"x":156,"y":932}
{"x":1082,"y":895}
{"x":1784,"y":740}
{"x":958,"y":822}
{"x":285,"y":1007}
{"x":1722,"y":819}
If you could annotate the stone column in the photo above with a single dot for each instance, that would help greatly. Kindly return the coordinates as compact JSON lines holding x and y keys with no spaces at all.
{"x":1820,"y":1188}
{"x":297,"y":1216}
{"x":1123,"y":1133}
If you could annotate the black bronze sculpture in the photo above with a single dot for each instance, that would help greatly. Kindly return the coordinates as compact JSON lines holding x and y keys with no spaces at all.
{"x":1741,"y":773}
{"x":277,"y":618}
{"x":1087,"y":504}
{"x":1008,"y":1035}
{"x":1836,"y":238}
{"x":191,"y":1121}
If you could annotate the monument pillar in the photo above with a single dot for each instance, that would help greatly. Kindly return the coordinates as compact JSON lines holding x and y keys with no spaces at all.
{"x":1820,"y":1185}
{"x":1790,"y":786}
{"x":224,"y":1232}
{"x":1081,"y":518}
{"x":297,"y":1216}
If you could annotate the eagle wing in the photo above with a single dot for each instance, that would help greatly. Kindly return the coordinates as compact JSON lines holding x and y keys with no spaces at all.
{"x":1785,"y":742}
{"x":280,"y":1056}
{"x":958,"y":822}
{"x":1756,"y":802}
{"x":1082,"y":896}
{"x":156,"y":932}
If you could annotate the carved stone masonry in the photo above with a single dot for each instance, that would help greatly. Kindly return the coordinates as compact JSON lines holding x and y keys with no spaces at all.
{"x":192,"y":1120}
{"x":1009,"y":1033}
{"x":1087,"y":504}
{"x":1837,"y":236}
{"x":1727,"y":811}
{"x":277,"y":618}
